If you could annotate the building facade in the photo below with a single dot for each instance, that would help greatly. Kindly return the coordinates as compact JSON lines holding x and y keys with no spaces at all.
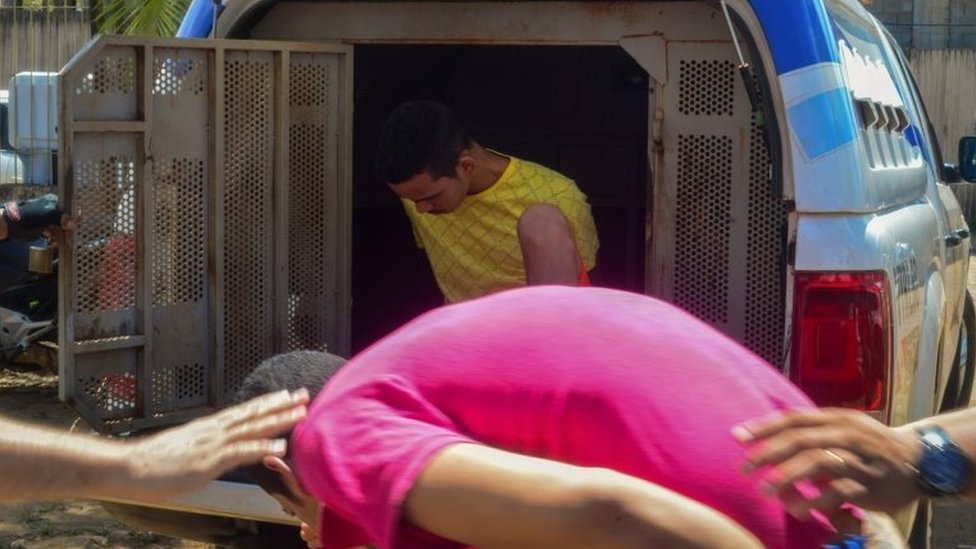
{"x":928,"y":24}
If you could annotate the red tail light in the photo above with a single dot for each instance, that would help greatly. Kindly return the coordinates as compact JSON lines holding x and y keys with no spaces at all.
{"x":841,"y":338}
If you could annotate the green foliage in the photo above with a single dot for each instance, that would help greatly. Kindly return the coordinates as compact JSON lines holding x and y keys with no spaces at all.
{"x":45,"y":5}
{"x":139,"y":17}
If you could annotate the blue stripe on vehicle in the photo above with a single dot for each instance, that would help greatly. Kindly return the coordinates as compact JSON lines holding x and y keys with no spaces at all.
{"x":798,"y":32}
{"x":824,"y":122}
{"x":916,"y":139}
{"x":198,"y":20}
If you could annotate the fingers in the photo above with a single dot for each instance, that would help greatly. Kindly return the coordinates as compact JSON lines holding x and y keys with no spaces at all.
{"x":823,"y":467}
{"x":266,"y":405}
{"x":268,"y":425}
{"x":807,"y":465}
{"x":773,"y":424}
{"x":12,"y":210}
{"x":849,"y":456}
{"x":825,"y":494}
{"x":787,"y":446}
{"x":247,"y":452}
{"x":831,"y":497}
{"x":775,"y":439}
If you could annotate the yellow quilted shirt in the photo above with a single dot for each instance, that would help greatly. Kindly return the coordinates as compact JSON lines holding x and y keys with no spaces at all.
{"x":475,"y":249}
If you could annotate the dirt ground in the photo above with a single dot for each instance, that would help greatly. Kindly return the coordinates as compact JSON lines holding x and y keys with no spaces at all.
{"x":28,"y":390}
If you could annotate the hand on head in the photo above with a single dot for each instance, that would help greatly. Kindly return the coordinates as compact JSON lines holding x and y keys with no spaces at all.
{"x":848,"y":455}
{"x":187,"y":457}
{"x":35,"y":217}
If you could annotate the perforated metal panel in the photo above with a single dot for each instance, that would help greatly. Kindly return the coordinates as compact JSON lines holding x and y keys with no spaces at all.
{"x":718,"y":229}
{"x":703,"y":248}
{"x":178,"y":229}
{"x":105,"y":179}
{"x":107,"y":91}
{"x":314,"y":82}
{"x":706,"y":87}
{"x":209,"y":186}
{"x":765,"y":257}
{"x":249,"y":155}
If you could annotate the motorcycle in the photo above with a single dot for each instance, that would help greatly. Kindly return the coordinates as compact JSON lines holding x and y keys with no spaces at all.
{"x":28,"y":276}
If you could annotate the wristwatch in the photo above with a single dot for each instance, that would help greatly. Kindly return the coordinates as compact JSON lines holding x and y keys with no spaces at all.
{"x":943,"y":468}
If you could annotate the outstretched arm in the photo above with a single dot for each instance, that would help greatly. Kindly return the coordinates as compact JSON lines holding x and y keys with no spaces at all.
{"x":489,"y":498}
{"x":39,"y":463}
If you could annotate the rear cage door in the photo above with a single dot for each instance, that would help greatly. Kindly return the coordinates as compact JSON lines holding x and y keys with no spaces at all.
{"x":210,"y":183}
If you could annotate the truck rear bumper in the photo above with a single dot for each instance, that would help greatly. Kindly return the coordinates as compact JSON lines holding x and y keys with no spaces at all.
{"x":224,"y":499}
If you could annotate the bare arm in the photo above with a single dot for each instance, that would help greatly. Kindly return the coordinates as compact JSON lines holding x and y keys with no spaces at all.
{"x":493,"y":499}
{"x":40,"y":463}
{"x":870,"y":462}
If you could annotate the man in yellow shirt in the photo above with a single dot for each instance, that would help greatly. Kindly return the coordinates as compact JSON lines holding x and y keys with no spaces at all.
{"x":487,"y":221}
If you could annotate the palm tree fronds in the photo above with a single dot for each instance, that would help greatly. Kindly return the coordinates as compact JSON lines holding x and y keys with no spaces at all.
{"x":139,"y":17}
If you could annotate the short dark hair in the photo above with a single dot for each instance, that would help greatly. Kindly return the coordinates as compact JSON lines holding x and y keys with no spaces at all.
{"x":418,"y":137}
{"x":287,"y":371}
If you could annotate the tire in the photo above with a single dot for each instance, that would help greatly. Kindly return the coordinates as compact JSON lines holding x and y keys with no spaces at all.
{"x":959,"y":389}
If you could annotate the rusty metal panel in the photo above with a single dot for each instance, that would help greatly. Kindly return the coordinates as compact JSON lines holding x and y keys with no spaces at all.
{"x":718,"y":227}
{"x":477,"y":22}
{"x":170,"y":283}
{"x":108,"y":91}
{"x":104,"y":185}
{"x":179,"y":235}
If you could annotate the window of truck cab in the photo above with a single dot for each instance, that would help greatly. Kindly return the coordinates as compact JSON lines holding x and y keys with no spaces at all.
{"x":876,"y":71}
{"x":930,"y":143}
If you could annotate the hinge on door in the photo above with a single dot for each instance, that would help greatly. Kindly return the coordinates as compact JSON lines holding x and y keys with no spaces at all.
{"x":656,"y":127}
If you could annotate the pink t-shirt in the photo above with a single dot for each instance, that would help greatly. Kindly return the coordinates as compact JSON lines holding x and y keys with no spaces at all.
{"x":587,"y":376}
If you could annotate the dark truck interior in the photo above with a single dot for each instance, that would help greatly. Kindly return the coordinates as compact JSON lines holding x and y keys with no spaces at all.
{"x":579,"y":110}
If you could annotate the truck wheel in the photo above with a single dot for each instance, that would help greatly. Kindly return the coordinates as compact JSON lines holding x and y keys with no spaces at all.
{"x":960,"y":387}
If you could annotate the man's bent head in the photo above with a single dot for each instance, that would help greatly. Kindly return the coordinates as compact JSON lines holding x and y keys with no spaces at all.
{"x":291,"y":371}
{"x":419,"y":136}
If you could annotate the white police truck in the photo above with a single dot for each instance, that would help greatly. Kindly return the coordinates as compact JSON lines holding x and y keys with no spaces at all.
{"x":766,"y":165}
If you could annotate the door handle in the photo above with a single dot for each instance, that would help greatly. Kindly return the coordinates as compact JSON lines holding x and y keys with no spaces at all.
{"x":953,"y":240}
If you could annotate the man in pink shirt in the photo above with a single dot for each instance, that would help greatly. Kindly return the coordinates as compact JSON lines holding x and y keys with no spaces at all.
{"x":542,"y":417}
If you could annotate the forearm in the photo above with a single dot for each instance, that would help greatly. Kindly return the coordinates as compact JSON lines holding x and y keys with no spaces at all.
{"x":41,"y":463}
{"x":467,"y":491}
{"x":642,"y":514}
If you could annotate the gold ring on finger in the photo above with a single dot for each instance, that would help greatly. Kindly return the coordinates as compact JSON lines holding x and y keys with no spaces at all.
{"x":836,"y":456}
